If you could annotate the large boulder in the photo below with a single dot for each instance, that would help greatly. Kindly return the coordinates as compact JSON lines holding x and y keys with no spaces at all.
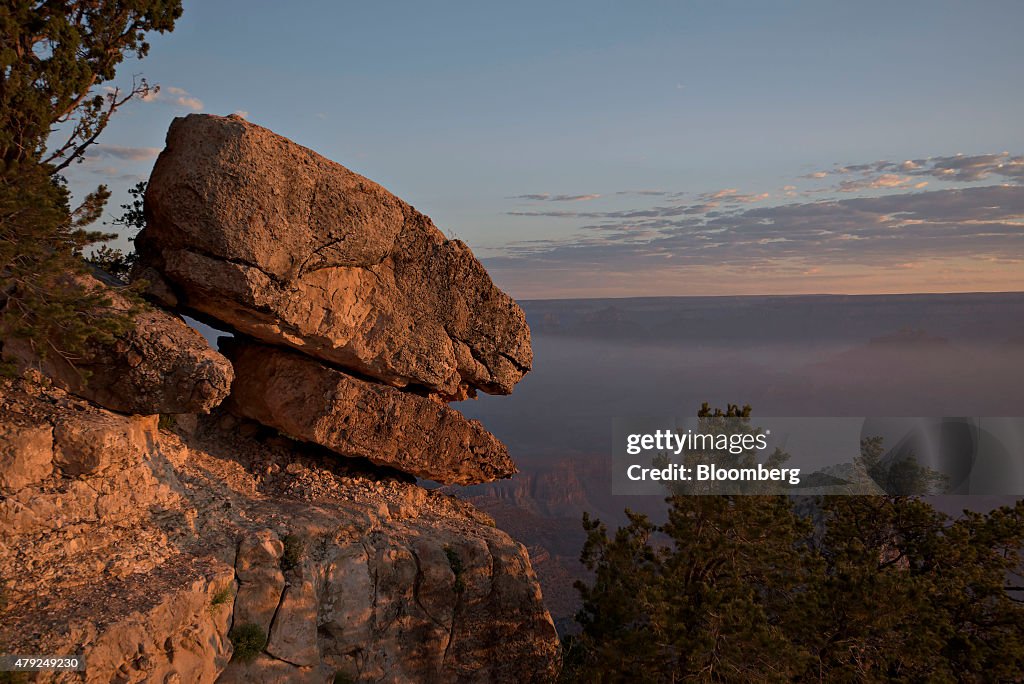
{"x":159,"y":365}
{"x":252,"y":230}
{"x":417,"y":435}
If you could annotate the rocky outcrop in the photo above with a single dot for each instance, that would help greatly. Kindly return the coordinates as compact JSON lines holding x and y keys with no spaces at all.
{"x":147,"y":554}
{"x":159,"y":365}
{"x":240,"y":547}
{"x":281,"y":244}
{"x":415,"y":434}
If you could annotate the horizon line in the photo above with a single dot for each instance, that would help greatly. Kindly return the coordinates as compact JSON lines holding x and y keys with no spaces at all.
{"x":768,"y":296}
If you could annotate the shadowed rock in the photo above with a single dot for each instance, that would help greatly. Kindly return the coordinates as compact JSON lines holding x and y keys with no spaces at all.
{"x":255,"y":231}
{"x":160,"y":365}
{"x":418,"y":435}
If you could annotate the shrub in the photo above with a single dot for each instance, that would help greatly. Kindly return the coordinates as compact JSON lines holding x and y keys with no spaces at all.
{"x":294,"y":550}
{"x":222,"y":596}
{"x":248,"y":641}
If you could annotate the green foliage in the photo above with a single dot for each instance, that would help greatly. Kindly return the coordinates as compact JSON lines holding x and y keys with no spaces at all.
{"x":40,"y":243}
{"x":54,"y":56}
{"x":735,"y":420}
{"x":455,"y":562}
{"x":166,"y":421}
{"x":742,"y":588}
{"x":115,"y":261}
{"x":133,"y":216}
{"x":248,"y":641}
{"x":223,"y":596}
{"x":294,"y":551}
{"x":901,"y":476}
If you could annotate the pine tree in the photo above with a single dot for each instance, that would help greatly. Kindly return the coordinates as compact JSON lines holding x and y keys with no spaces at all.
{"x":747,"y":588}
{"x":54,"y":59}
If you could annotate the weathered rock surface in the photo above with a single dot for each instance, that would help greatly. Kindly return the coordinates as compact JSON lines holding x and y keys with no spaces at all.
{"x":131,"y":559}
{"x":414,"y":434}
{"x":26,"y":454}
{"x":160,"y":365}
{"x":260,"y":579}
{"x":268,"y":237}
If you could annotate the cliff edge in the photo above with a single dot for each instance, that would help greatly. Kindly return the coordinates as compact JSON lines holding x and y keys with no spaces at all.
{"x":252,"y":513}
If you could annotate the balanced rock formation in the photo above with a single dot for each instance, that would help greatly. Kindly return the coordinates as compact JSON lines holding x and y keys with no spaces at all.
{"x":160,"y":365}
{"x":236,"y":545}
{"x":275,"y":241}
{"x":151,"y":555}
{"x":418,"y":435}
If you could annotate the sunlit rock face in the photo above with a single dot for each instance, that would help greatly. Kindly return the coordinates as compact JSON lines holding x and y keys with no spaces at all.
{"x":145,"y":548}
{"x":275,"y":241}
{"x":279,"y":536}
{"x":418,"y":435}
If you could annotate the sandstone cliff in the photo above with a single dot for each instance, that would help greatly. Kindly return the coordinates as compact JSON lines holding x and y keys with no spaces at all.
{"x":279,"y":536}
{"x":143,"y":548}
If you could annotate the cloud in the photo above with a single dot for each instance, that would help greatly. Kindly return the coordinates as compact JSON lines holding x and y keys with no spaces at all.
{"x":732,"y":195}
{"x":888,"y":231}
{"x":907,"y":228}
{"x":885,"y":181}
{"x":959,"y":168}
{"x":114,"y":175}
{"x":178,"y":97}
{"x":970,"y":168}
{"x":649,"y":193}
{"x":548,"y":197}
{"x":242,"y":113}
{"x":189,"y":102}
{"x":125,"y":153}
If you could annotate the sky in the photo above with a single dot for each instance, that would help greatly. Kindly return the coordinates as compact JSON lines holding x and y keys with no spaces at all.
{"x":602,"y":149}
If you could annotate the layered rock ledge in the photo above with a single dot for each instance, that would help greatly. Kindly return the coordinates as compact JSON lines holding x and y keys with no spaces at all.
{"x":415,"y":434}
{"x":147,"y":549}
{"x":251,"y":230}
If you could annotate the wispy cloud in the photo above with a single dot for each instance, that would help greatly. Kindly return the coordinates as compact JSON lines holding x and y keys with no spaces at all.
{"x":983,"y":222}
{"x":650,"y":193}
{"x":178,"y":97}
{"x":732,"y":196}
{"x":124,"y":153}
{"x":880,"y":222}
{"x":548,"y":197}
{"x":958,"y":168}
{"x":113,"y":174}
{"x":885,"y":181}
